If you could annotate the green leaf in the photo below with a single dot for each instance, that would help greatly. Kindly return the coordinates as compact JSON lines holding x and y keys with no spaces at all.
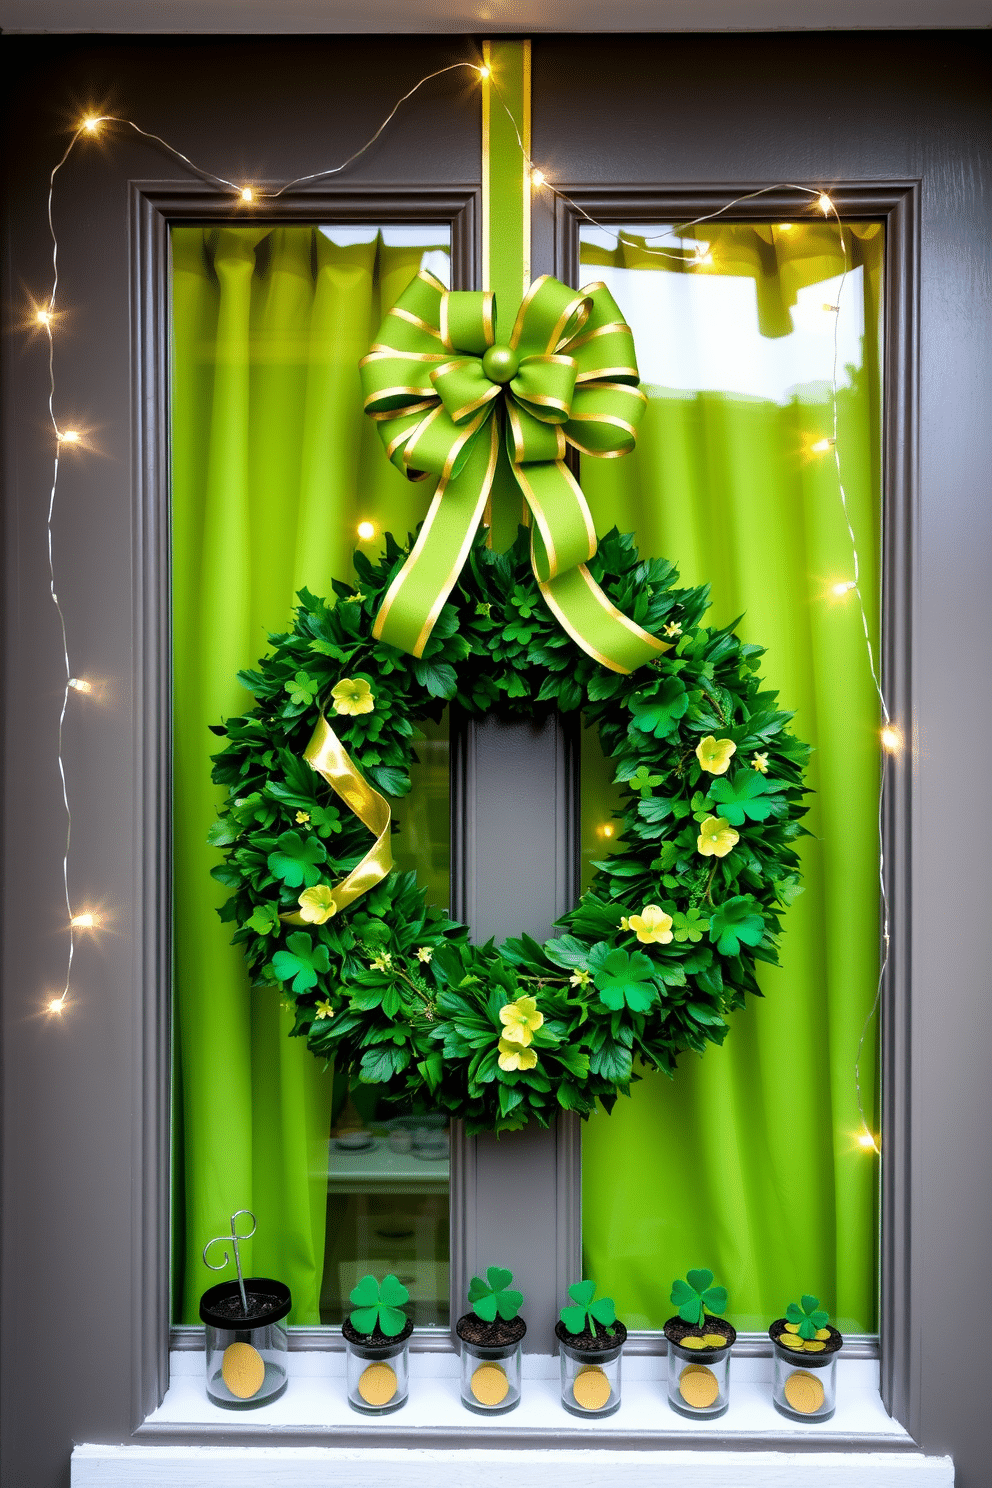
{"x":485,"y":1308}
{"x":392,"y":1291}
{"x":498,"y":1278}
{"x":301,"y":962}
{"x":748,"y":794}
{"x":735,"y":921}
{"x":626,"y":979}
{"x":224,"y":831}
{"x":364,"y":1319}
{"x":438,"y":677}
{"x":392,"y":1321}
{"x":264,"y":919}
{"x":699,"y":1280}
{"x":690,"y":926}
{"x":508,"y":1304}
{"x":366,"y":1293}
{"x":302,"y":690}
{"x":296,"y":860}
{"x":582,"y":1292}
{"x":715,"y":1299}
{"x":659,"y":714}
{"x":604,"y":1311}
{"x":574,"y":1318}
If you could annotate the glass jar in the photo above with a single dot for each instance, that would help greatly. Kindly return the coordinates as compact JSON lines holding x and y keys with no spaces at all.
{"x":590,"y":1377}
{"x":246,"y":1362}
{"x":378,"y":1372}
{"x":490,"y":1373}
{"x":804,"y":1386}
{"x":699,"y":1378}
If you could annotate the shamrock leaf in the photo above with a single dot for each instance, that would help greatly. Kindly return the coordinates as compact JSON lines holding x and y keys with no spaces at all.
{"x":379,"y":1302}
{"x":689,"y":926}
{"x":696,"y":1296}
{"x":643,"y":781}
{"x":296,"y":860}
{"x":587,"y":1313}
{"x":264,"y":920}
{"x":624,"y":978}
{"x":747,"y":795}
{"x":301,"y":962}
{"x":660,"y":713}
{"x":809,"y":1316}
{"x":734,"y":921}
{"x":494,"y":1296}
{"x":302,"y":690}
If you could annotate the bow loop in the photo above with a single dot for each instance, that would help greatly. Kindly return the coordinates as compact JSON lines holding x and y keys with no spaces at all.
{"x":550,"y":315}
{"x":544,"y":386}
{"x":467,"y":320}
{"x":463,"y":388}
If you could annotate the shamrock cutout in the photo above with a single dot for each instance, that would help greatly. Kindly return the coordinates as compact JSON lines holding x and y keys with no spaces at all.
{"x":749,"y":795}
{"x":296,"y":860}
{"x":643,"y":781}
{"x":809,"y":1316}
{"x":689,"y":926}
{"x":587,"y":1313}
{"x":734,"y":921}
{"x":659,"y":713}
{"x":301,"y":962}
{"x":379,"y":1302}
{"x":696,"y":1296}
{"x":493,"y":1296}
{"x":624,"y":978}
{"x":302,"y":690}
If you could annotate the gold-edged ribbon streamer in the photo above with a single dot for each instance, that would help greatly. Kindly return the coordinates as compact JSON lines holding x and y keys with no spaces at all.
{"x":327,"y":755}
{"x":448,"y":399}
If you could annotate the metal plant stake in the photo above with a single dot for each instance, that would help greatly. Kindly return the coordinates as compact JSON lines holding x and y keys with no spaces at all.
{"x":235,"y":1239}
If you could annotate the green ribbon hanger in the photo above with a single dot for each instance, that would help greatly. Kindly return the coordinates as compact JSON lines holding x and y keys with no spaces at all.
{"x":444,"y":393}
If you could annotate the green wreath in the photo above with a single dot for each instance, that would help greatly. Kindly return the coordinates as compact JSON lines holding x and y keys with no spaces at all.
{"x":655,"y":955}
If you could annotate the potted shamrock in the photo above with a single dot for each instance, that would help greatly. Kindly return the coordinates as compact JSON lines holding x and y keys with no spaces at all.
{"x":591,"y":1340}
{"x":490,"y":1336}
{"x":699,"y":1344}
{"x":377,"y":1342}
{"x":806,"y":1349}
{"x":246,"y":1341}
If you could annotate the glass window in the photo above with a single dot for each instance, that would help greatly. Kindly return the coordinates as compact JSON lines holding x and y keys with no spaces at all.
{"x":277,"y":475}
{"x":749,"y":1161}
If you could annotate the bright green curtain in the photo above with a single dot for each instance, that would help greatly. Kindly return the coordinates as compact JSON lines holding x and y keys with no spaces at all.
{"x":274,"y":466}
{"x":747,"y":1161}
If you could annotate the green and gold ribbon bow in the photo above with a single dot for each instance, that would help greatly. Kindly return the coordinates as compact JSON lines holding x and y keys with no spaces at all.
{"x":444,"y":393}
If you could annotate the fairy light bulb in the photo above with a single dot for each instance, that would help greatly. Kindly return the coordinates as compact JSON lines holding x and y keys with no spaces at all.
{"x":891,"y":739}
{"x":85,"y":921}
{"x":786,"y":226}
{"x":538,"y":177}
{"x":824,"y":203}
{"x":366,"y":531}
{"x":69,"y":436}
{"x":43,"y":317}
{"x":80,"y":684}
{"x":247,"y":194}
{"x":91,"y":124}
{"x":485,"y":72}
{"x":822,"y":446}
{"x":845,"y":588}
{"x":605,"y":830}
{"x":867,"y":1142}
{"x":56,"y":1005}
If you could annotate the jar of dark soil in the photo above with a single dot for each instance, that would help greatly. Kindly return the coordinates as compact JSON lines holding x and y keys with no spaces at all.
{"x":378,"y":1369}
{"x":804,"y":1385}
{"x":246,"y":1352}
{"x":490,"y":1363}
{"x":590,"y":1369}
{"x":699,"y":1366}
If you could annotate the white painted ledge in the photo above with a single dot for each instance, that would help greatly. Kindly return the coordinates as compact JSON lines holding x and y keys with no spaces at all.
{"x":327,"y":1467}
{"x":644,"y":1443}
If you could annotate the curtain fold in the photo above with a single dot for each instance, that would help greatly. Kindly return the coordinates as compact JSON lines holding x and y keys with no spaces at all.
{"x":747,"y":1161}
{"x":273,"y":468}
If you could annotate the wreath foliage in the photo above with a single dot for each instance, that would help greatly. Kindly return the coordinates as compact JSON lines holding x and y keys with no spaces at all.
{"x":653,"y":957}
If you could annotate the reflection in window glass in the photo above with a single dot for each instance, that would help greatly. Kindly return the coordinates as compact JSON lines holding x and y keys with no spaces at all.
{"x":276,"y":476}
{"x":748,"y":1161}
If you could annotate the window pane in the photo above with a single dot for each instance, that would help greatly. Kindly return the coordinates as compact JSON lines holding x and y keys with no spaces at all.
{"x":748,"y":1161}
{"x":275,"y":468}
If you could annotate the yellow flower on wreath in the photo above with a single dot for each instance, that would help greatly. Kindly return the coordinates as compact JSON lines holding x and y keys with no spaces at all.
{"x":716,"y":837}
{"x":352,"y":695}
{"x":324,"y":1009}
{"x":515,"y":1057}
{"x":715,"y":754}
{"x":424,"y":953}
{"x":317,"y":905}
{"x":520,"y":1020}
{"x":382,"y":962}
{"x":580,"y":978}
{"x":652,"y":925}
{"x":760,"y":762}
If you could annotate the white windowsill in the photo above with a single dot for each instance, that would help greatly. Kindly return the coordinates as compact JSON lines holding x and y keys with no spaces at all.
{"x":644,"y":1443}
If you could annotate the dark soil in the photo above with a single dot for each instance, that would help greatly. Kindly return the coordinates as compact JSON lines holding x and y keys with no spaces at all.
{"x":593,"y":1343}
{"x":260,"y":1305}
{"x":830,"y":1345}
{"x":676,"y":1330}
{"x":375,"y":1339}
{"x":498,"y":1334}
